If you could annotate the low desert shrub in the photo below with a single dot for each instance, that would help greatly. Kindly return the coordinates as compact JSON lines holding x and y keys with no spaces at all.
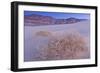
{"x":71,"y":45}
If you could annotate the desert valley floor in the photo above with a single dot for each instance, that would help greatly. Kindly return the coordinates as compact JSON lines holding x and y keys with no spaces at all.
{"x":37,"y":39}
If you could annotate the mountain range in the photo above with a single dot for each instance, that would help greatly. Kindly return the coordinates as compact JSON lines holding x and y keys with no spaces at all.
{"x":35,"y":19}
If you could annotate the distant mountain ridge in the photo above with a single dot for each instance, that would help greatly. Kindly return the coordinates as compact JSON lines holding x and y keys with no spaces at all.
{"x":36,"y":19}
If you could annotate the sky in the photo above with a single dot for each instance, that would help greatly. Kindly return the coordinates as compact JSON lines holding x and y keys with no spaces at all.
{"x":59,"y":15}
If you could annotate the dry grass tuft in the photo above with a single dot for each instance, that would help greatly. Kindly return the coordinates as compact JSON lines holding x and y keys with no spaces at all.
{"x":43,"y":33}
